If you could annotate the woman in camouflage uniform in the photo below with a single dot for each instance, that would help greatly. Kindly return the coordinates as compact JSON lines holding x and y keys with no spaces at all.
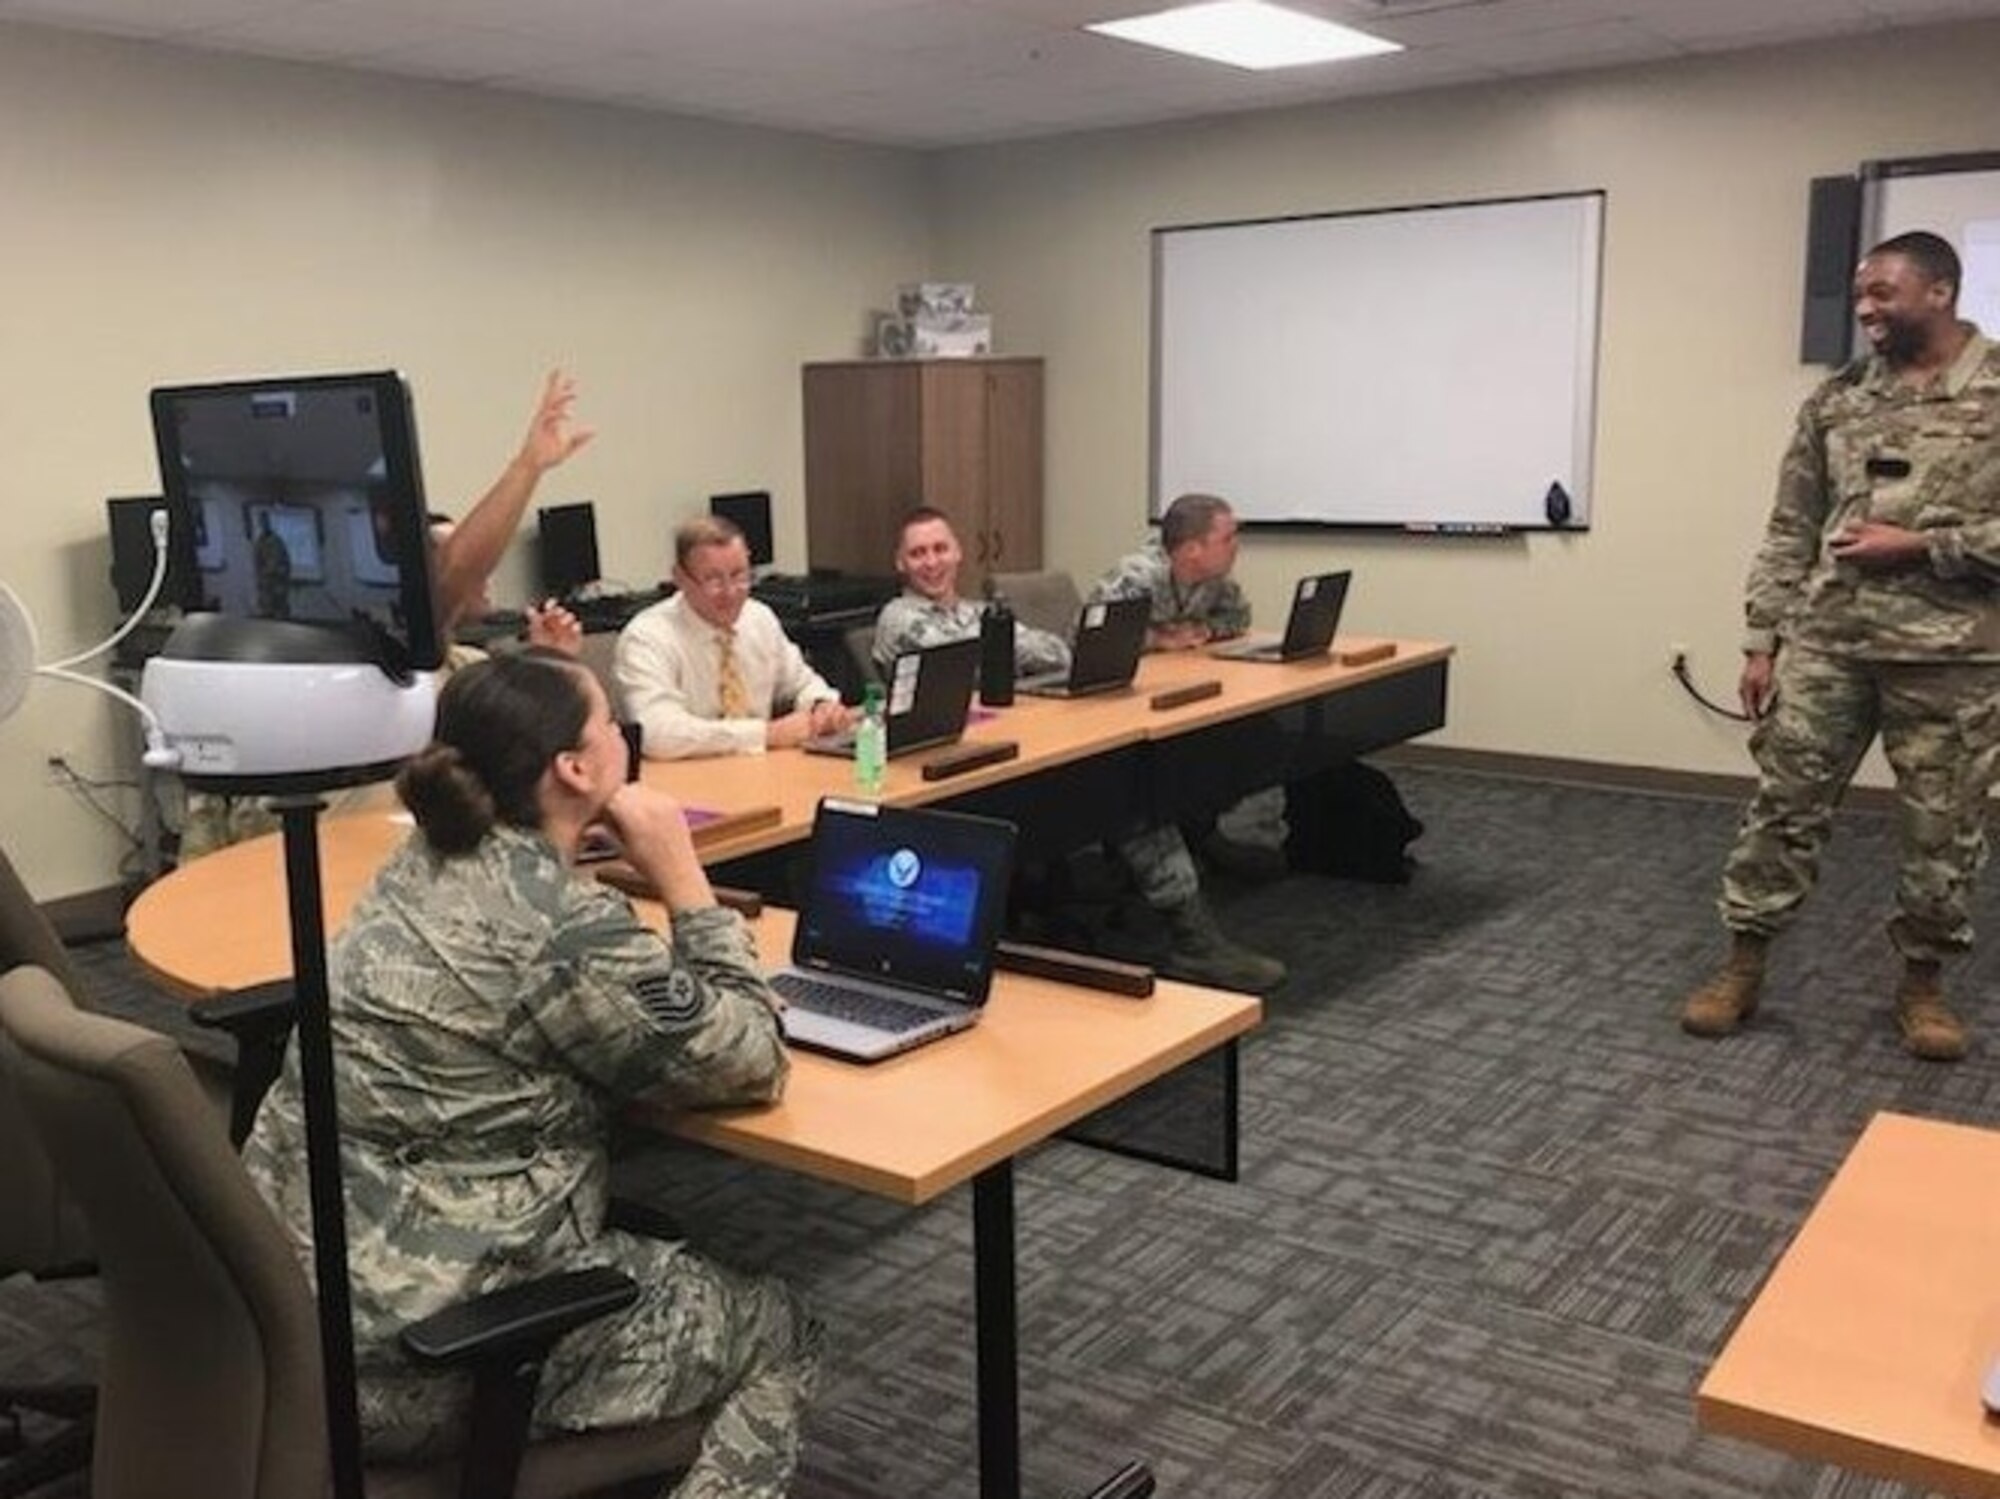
{"x":491,"y":1014}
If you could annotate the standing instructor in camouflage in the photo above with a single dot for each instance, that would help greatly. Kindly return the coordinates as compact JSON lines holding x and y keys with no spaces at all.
{"x":1872,"y":609}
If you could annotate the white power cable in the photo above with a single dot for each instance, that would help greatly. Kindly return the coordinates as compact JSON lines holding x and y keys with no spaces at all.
{"x":159,"y":754}
{"x":157,"y":522}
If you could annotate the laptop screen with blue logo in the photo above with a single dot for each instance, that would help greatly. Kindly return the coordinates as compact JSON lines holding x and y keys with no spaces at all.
{"x":906,"y":896}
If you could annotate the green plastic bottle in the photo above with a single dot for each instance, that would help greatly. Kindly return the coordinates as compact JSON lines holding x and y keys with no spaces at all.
{"x":871,"y":743}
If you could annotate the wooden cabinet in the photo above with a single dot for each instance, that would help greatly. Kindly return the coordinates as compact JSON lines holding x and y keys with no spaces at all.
{"x":964,"y":435}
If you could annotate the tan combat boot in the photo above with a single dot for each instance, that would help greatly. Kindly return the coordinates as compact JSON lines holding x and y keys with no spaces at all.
{"x":1728,"y":999}
{"x":1930,"y":1030}
{"x":1199,"y":953}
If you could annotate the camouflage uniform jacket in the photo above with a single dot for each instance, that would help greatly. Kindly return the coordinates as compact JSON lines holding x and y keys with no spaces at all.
{"x":911,"y":622}
{"x":490,"y":1015}
{"x":1935,"y":451}
{"x":1147,"y":574}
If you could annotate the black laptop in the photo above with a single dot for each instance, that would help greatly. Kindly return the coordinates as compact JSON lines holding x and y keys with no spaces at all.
{"x":928,"y":698}
{"x":1104,"y":652}
{"x":895,"y":937}
{"x":1316,"y":604}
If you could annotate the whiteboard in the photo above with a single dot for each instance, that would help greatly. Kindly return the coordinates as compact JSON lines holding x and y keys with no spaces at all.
{"x":1433,"y":369}
{"x":1955,"y":196}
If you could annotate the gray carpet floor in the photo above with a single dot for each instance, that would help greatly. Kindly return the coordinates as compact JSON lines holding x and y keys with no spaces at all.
{"x":1496,"y":1213}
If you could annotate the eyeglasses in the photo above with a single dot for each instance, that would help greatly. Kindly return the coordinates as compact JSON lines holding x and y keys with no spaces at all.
{"x":721,"y":582}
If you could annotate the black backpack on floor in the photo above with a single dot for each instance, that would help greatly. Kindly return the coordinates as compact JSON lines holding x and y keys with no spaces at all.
{"x":1350,"y":822}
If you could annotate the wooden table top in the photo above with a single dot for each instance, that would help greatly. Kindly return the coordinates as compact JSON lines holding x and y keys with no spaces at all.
{"x":1868,"y":1344}
{"x":1049,"y":731}
{"x":220,"y":923}
{"x":916,"y":1124}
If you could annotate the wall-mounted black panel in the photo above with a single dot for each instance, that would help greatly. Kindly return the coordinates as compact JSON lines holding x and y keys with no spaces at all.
{"x":1833,"y":231}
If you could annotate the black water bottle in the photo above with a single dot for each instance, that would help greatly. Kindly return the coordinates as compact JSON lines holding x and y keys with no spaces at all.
{"x":996,"y":654}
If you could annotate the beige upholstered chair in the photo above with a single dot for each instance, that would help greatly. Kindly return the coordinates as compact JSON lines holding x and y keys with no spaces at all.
{"x":41,"y":1232}
{"x":211,"y":1381}
{"x":597,"y":651}
{"x":1046,"y":600}
{"x":860,"y":643}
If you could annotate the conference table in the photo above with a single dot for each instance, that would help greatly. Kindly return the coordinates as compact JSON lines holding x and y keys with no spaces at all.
{"x":912,"y":1127}
{"x":1044,"y":1056}
{"x":1083,"y":766}
{"x":1867,"y":1345}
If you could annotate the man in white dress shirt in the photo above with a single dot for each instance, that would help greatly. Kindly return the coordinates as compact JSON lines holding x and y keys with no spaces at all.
{"x":709,"y":671}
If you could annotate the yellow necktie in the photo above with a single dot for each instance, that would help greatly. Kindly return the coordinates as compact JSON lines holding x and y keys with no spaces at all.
{"x":731,"y":698}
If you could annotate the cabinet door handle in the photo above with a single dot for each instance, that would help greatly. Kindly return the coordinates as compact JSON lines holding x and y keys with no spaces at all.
{"x":999,"y":544}
{"x":980,"y":552}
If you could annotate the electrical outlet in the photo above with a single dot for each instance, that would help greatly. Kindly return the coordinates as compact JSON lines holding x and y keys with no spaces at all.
{"x":55,"y":770}
{"x":1677,"y":653}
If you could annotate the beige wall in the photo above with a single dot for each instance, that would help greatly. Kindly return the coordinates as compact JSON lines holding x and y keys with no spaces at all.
{"x":170,"y":216}
{"x":1563,"y":639}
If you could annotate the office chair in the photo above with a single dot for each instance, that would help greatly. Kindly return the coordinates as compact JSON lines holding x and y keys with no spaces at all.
{"x":41,"y":1232}
{"x":859,"y":641}
{"x":599,"y":653}
{"x":1045,"y":600}
{"x":212,"y":1381}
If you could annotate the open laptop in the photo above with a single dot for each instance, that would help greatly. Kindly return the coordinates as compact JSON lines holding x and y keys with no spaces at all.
{"x":895,"y":938}
{"x":1316,"y":604}
{"x":1104,"y":652}
{"x":928,"y":699}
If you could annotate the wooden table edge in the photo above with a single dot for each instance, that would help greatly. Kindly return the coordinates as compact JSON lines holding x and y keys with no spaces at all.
{"x":1801,"y":1438}
{"x":719,"y":1129}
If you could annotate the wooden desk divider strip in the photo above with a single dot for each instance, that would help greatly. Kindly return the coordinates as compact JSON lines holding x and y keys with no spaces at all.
{"x":1366,"y":655}
{"x":964,"y":757}
{"x":714,"y":827}
{"x":1180,"y":697}
{"x":746,"y":903}
{"x":620,"y":875}
{"x":1084,"y":969}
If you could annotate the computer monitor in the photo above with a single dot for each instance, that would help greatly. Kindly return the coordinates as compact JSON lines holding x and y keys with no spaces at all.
{"x":131,"y":522}
{"x":750,"y":513}
{"x":569,"y":548}
{"x":302,"y":500}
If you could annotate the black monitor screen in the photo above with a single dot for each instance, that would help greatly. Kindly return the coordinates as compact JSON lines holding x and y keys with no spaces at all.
{"x":132,"y":556}
{"x":751,"y":514}
{"x":569,"y":548}
{"x":302,"y":500}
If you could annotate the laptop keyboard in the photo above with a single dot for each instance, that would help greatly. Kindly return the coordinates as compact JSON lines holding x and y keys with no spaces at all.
{"x":838,"y":1002}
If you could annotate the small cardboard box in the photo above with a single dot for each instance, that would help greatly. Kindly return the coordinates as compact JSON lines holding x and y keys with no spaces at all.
{"x":915,"y":299}
{"x":960,"y":337}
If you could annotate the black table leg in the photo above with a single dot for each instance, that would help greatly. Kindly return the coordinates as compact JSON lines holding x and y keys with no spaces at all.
{"x":996,"y":1318}
{"x":998,"y":1322}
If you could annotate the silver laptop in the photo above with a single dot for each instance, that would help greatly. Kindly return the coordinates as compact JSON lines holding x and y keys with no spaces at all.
{"x":1104,"y":652}
{"x":894,"y":944}
{"x":1316,"y":604}
{"x":929,"y":699}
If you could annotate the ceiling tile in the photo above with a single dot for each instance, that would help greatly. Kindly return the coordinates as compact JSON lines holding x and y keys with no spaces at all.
{"x":328,"y":31}
{"x":145,"y":17}
{"x":905,"y":70}
{"x":1477,"y":23}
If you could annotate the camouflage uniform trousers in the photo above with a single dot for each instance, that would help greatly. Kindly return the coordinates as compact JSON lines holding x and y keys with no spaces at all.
{"x":1940,"y":728}
{"x":1161,"y":866}
{"x":739,"y":1350}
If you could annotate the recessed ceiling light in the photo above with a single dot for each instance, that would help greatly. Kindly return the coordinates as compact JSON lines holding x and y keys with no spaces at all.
{"x":1247,"y":34}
